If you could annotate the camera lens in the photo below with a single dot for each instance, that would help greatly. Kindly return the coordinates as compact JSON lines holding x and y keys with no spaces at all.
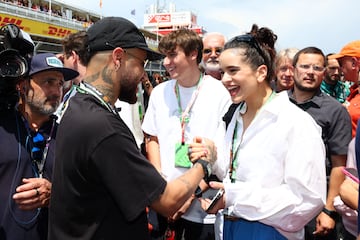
{"x":12,"y":64}
{"x":11,"y":68}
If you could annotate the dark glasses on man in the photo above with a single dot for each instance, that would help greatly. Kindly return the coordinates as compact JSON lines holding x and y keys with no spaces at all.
{"x":217,"y":50}
{"x":143,"y":62}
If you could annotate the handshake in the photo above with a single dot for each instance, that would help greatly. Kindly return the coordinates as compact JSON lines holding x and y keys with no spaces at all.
{"x":204,"y":151}
{"x":202,"y":148}
{"x":201,"y":153}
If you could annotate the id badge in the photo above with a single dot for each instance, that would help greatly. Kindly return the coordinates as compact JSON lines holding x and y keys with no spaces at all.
{"x":181,"y":156}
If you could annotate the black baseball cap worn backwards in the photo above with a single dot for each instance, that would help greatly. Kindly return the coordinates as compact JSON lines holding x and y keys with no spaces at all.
{"x":49,"y":62}
{"x":111,"y":32}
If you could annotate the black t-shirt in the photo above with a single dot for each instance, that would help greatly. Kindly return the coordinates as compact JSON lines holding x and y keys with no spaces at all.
{"x":102,"y":183}
{"x":16,"y":164}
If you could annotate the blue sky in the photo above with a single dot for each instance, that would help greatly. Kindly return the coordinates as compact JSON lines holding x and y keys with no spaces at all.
{"x":327,"y":24}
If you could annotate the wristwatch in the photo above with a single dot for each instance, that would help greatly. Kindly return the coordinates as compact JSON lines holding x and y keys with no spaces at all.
{"x":333,"y":214}
{"x":206,"y":167}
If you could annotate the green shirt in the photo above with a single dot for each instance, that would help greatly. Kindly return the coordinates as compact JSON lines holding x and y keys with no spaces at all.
{"x":339,"y":91}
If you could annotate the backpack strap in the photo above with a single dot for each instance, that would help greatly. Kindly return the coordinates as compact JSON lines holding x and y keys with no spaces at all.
{"x":229,"y":114}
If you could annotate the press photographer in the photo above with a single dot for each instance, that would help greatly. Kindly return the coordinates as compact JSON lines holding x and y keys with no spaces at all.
{"x":31,"y":89}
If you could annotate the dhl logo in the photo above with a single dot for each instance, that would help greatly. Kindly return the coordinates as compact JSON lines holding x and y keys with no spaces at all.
{"x":58,"y":32}
{"x":7,"y":20}
{"x":34,"y":27}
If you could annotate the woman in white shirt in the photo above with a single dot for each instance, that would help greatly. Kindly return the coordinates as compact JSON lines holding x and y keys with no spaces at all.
{"x":272,"y":160}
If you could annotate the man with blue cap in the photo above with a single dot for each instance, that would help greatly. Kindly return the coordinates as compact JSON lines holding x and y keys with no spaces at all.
{"x":27,"y":136}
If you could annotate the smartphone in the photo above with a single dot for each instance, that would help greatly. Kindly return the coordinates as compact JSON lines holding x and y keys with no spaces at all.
{"x":215,"y":199}
{"x":351,"y":173}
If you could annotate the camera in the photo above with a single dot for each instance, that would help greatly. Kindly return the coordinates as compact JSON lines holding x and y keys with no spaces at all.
{"x":16,"y":48}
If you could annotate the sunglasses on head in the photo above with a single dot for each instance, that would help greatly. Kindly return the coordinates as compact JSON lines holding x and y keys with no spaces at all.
{"x":249,"y":39}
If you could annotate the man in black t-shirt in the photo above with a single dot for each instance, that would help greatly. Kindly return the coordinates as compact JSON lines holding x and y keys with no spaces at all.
{"x":102,"y":183}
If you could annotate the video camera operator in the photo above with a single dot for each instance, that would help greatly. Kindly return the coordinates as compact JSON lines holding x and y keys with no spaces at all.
{"x":31,"y":89}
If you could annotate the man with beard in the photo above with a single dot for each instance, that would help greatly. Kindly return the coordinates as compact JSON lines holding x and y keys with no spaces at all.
{"x":213,"y":46}
{"x":27,"y":149}
{"x":332,"y":84}
{"x":102,"y":183}
{"x":332,"y":117}
{"x":74,"y":56}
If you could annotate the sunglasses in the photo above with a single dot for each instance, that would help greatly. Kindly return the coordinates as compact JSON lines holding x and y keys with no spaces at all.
{"x":38,"y":145}
{"x":143,"y":62}
{"x":217,"y":50}
{"x":249,"y":39}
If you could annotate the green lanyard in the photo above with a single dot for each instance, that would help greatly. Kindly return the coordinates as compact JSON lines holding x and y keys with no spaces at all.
{"x":234,"y":150}
{"x":184,"y":115}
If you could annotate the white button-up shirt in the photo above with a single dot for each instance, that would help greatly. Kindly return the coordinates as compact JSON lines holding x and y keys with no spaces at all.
{"x":280,"y":170}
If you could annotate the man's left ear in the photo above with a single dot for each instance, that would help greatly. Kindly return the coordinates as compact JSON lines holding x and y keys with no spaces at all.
{"x":194,"y":54}
{"x":118,"y":54}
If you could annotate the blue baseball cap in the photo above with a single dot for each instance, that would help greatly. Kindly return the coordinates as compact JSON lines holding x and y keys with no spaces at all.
{"x":49,"y":62}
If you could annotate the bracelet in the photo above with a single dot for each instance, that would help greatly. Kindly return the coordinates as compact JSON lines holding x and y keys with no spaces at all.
{"x":206,"y":167}
{"x":333,"y":214}
{"x":198,"y":192}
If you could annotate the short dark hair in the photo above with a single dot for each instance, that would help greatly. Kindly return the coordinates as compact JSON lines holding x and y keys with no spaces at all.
{"x":308,"y":50}
{"x":327,"y":58}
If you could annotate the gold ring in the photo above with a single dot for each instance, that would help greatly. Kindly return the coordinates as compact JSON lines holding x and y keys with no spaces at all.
{"x":37,"y":192}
